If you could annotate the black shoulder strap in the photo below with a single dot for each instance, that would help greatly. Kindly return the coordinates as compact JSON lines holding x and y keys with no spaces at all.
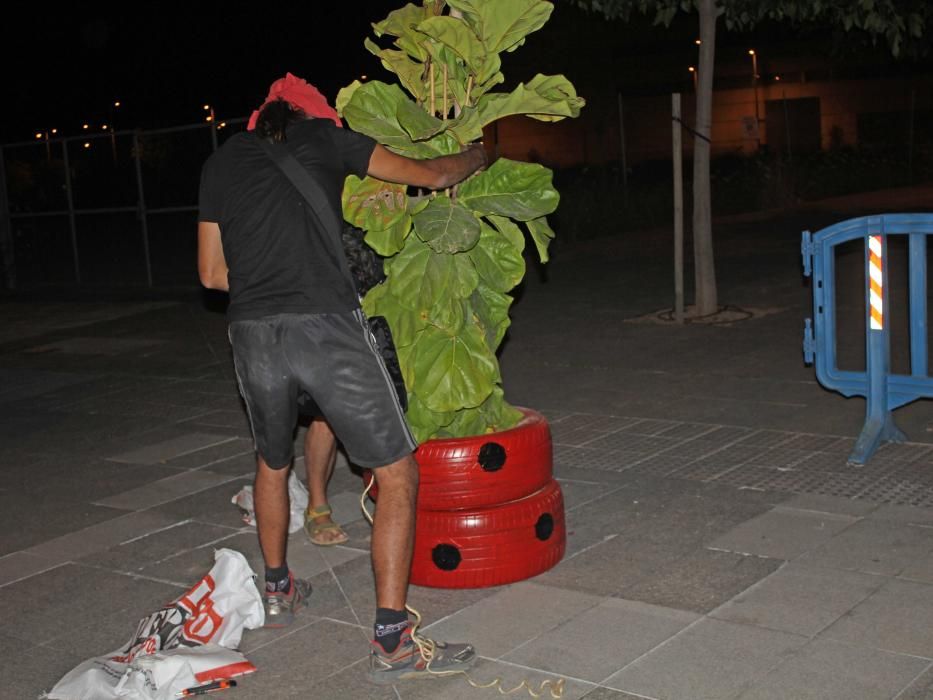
{"x":316,"y":198}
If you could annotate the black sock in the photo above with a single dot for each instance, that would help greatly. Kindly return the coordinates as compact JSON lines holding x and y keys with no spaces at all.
{"x":389,"y":627}
{"x":278,"y":580}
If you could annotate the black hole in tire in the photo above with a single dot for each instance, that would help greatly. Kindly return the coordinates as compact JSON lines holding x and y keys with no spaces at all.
{"x":491,"y":456}
{"x":544,"y":528}
{"x":446,"y":557}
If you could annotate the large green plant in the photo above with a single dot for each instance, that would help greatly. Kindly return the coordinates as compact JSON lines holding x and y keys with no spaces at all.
{"x":453,"y":256}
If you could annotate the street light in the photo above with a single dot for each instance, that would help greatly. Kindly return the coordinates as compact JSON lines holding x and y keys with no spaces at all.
{"x":751,"y":52}
{"x":693,"y":72}
{"x":210,"y":120}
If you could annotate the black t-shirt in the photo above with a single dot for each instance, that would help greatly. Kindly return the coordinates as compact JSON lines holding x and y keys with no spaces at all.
{"x":278,"y":258}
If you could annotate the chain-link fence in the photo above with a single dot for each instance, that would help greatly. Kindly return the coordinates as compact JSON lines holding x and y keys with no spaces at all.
{"x":108,"y":209}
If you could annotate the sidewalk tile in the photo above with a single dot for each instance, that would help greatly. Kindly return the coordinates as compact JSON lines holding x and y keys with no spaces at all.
{"x":165,"y":490}
{"x":20,"y":565}
{"x":874,"y":547}
{"x":711,"y":659}
{"x":600,"y":641}
{"x":782,"y":533}
{"x":828,"y":670}
{"x":511,"y":617}
{"x":831,"y":504}
{"x":169,"y":449}
{"x":800,"y":599}
{"x":700,"y":581}
{"x":101,"y":536}
{"x":897,"y":618}
{"x":148,"y":551}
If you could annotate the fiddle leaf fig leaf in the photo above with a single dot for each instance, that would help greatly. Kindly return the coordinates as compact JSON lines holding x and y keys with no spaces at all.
{"x":447,"y":227}
{"x":459,"y":37}
{"x":454,"y":371}
{"x":399,"y":62}
{"x":420,"y":277}
{"x":401,"y":24}
{"x":542,"y":234}
{"x":389,"y":241}
{"x":492,"y":314}
{"x":424,"y":422}
{"x":499,"y":263}
{"x":373,"y":204}
{"x":373,"y":109}
{"x":521,"y":191}
{"x":502,"y":26}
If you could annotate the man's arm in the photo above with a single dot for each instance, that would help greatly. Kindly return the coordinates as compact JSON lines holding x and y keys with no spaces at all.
{"x":212,"y":266}
{"x":432,"y":173}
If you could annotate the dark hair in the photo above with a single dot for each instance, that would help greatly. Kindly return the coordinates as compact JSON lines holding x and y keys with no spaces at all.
{"x":275,"y":117}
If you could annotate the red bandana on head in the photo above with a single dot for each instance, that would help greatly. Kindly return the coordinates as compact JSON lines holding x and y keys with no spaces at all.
{"x":297,"y":93}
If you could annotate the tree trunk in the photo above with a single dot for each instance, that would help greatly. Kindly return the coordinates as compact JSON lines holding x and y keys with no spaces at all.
{"x":704,"y":266}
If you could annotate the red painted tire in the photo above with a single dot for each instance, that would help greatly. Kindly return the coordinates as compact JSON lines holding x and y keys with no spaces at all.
{"x":492,"y":546}
{"x":485,"y":470}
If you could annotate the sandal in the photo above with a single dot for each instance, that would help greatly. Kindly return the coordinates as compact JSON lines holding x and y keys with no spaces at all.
{"x":315,"y":530}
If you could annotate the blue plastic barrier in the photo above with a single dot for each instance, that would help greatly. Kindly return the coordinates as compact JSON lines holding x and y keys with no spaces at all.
{"x":883,"y":391}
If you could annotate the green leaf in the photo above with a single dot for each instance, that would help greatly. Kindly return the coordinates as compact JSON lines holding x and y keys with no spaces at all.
{"x":503,"y":25}
{"x":454,"y":371}
{"x":541,"y":234}
{"x":409,"y":71}
{"x":420,"y":277}
{"x":405,"y":324}
{"x":448,"y":313}
{"x":499,"y":263}
{"x":424,"y":422}
{"x":447,"y":227}
{"x":374,"y":110}
{"x":419,"y":125}
{"x":467,"y":421}
{"x":499,"y":415}
{"x":521,"y":191}
{"x":545,"y":98}
{"x":491,"y":310}
{"x":391,"y":240}
{"x":344,"y":96}
{"x":459,"y":37}
{"x":401,"y":24}
{"x":510,"y":230}
{"x":373,"y":204}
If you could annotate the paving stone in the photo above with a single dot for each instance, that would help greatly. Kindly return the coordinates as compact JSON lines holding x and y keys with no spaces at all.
{"x":827,"y":670}
{"x":800,"y":599}
{"x":30,"y":670}
{"x":921,"y":688}
{"x":511,"y":617}
{"x":608,"y":694}
{"x":783,"y":533}
{"x":165,"y":490}
{"x":218,"y":453}
{"x":873,"y":546}
{"x":578,"y":494}
{"x":170,"y":449}
{"x":147,"y":552}
{"x":600,"y":641}
{"x":713,"y":660}
{"x":897,"y":618}
{"x":700,"y":581}
{"x":101,"y":536}
{"x":831,"y":504}
{"x":212,"y":505}
{"x":289,"y":664}
{"x":20,"y":565}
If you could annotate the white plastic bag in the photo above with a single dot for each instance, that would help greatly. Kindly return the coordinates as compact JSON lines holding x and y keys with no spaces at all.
{"x":297,"y":495}
{"x":186,"y":643}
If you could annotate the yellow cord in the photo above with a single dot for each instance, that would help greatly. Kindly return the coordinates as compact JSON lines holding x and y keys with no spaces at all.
{"x":427,"y":647}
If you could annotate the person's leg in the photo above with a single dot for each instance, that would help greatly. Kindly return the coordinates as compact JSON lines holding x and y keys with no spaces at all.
{"x":270,"y":499}
{"x":394,"y":531}
{"x":320,"y":456}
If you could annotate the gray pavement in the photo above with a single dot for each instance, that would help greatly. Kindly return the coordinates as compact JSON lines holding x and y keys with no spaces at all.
{"x":718,"y":544}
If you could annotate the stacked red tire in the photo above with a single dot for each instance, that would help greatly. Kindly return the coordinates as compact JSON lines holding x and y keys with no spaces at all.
{"x":489,"y":509}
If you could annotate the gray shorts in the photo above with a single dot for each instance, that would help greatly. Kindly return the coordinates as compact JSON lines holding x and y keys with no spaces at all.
{"x":333,"y":358}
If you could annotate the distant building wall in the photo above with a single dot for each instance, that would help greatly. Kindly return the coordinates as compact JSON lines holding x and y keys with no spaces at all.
{"x":594,"y":138}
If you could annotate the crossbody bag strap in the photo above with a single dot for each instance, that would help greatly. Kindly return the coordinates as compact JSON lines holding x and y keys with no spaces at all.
{"x":315,"y":196}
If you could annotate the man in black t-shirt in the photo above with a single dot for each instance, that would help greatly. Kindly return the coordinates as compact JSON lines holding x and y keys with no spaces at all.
{"x":295,"y":324}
